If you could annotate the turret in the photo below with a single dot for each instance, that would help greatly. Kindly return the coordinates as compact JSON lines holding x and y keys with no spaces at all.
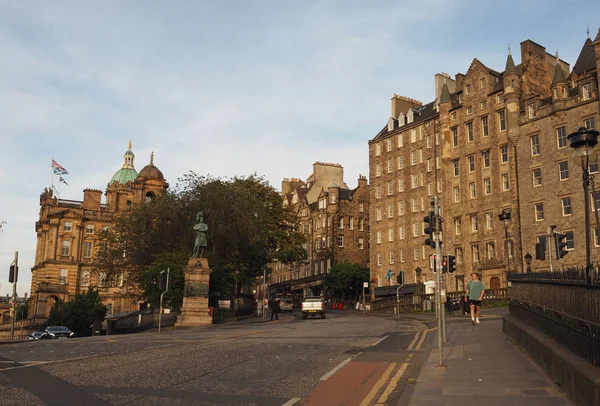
{"x":559,"y":82}
{"x":512,"y":97}
{"x":334,"y":195}
{"x":597,"y":49}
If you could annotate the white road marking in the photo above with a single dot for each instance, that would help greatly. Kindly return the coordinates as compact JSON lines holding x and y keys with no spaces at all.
{"x":334,"y":370}
{"x":378,"y":341}
{"x":291,"y":402}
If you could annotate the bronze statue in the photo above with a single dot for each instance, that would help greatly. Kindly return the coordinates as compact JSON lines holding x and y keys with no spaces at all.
{"x":201,"y":228}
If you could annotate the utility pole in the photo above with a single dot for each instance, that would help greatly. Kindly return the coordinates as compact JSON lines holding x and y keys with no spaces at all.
{"x":549,"y":238}
{"x":164,"y":287}
{"x":438,"y":278}
{"x":13,"y":279}
{"x":434,"y":240}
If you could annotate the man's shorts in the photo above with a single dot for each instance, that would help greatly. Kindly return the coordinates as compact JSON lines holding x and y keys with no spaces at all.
{"x":475,"y":302}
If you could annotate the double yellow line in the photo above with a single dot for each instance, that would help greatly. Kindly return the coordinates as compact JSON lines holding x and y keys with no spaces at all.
{"x":391,"y":385}
{"x":415,"y":345}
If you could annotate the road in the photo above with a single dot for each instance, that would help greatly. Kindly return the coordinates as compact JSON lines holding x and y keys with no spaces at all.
{"x":345,"y":359}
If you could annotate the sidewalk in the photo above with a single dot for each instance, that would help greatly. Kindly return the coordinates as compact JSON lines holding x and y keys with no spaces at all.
{"x":482,"y":367}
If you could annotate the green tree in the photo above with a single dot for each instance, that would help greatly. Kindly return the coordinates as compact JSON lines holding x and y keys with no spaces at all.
{"x":248,"y":227}
{"x":173,"y":298}
{"x":22,"y":312}
{"x":345,"y":280}
{"x":78,"y":314}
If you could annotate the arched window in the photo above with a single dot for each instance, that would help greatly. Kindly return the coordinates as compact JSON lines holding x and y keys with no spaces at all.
{"x":149,"y":197}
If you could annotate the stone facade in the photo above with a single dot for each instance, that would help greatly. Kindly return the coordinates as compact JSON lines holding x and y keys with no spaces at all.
{"x":405,"y":172}
{"x":549,"y":178}
{"x":335,"y":221}
{"x":481,"y":128}
{"x":68,"y":233}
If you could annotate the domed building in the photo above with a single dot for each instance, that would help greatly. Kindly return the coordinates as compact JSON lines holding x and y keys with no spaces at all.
{"x":127,"y":187}
{"x":68,"y":234}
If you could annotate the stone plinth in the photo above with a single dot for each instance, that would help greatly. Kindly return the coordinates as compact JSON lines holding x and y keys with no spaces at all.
{"x":195,"y":311}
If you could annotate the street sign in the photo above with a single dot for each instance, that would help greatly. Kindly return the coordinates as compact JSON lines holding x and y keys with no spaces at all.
{"x":389,"y":273}
{"x":365,"y":284}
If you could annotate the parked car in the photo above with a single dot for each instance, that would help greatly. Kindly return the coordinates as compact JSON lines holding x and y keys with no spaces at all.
{"x":286,"y":305}
{"x":36,"y":335}
{"x":57,"y":332}
{"x":313,"y":306}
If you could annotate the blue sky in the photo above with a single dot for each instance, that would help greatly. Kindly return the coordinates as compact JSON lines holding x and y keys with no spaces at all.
{"x":229,"y":87}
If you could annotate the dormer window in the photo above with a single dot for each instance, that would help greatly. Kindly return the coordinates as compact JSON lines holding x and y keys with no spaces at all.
{"x":410,"y":116}
{"x":460,"y":98}
{"x":531,"y":110}
{"x":586,"y":91}
{"x":402,"y":119}
{"x":322,"y":204}
{"x":391,"y":124}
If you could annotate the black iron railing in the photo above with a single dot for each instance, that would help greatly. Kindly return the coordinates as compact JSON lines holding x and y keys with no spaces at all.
{"x":564,"y":305}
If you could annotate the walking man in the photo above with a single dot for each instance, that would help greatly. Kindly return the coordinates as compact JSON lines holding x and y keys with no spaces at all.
{"x":276,"y":308}
{"x":474,"y":295}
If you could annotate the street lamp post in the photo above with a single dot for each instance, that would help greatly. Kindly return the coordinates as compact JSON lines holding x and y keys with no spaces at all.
{"x":583,"y":142}
{"x":528,"y":258}
{"x":505,"y":216}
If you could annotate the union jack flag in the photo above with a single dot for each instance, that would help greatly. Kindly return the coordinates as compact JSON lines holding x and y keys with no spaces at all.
{"x":58,"y":169}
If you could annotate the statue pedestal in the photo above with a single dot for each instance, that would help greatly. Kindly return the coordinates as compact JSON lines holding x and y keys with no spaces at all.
{"x":195,"y":311}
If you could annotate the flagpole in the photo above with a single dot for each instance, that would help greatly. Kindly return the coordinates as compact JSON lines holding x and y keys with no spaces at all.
{"x":52,"y":177}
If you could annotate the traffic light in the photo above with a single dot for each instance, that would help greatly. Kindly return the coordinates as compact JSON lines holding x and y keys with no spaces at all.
{"x":374,"y":282}
{"x":444,"y":265}
{"x":163,"y":283}
{"x":13,"y":273}
{"x":430,"y":229}
{"x":451,"y":263}
{"x":560,"y":241}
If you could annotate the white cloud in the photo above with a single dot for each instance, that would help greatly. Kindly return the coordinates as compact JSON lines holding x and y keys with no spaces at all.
{"x":215,"y":87}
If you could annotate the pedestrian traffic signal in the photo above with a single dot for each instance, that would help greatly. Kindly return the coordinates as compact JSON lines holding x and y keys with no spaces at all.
{"x":430,"y":229}
{"x":13,"y":273}
{"x":561,"y":245}
{"x":451,"y":263}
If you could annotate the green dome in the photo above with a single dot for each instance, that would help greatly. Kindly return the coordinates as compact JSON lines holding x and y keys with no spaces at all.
{"x":124,"y":175}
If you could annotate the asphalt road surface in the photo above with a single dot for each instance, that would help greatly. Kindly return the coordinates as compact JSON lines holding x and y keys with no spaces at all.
{"x":346,"y":359}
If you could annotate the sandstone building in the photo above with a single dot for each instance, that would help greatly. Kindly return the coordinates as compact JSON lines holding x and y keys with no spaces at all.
{"x":335,"y":221}
{"x":489,"y":141}
{"x":68,"y":232}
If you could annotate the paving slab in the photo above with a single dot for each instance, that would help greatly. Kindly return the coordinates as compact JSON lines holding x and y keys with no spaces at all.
{"x":482,"y":367}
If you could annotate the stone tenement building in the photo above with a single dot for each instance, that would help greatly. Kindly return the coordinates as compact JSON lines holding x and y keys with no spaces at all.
{"x":68,"y":232}
{"x":489,"y":141}
{"x":335,"y":221}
